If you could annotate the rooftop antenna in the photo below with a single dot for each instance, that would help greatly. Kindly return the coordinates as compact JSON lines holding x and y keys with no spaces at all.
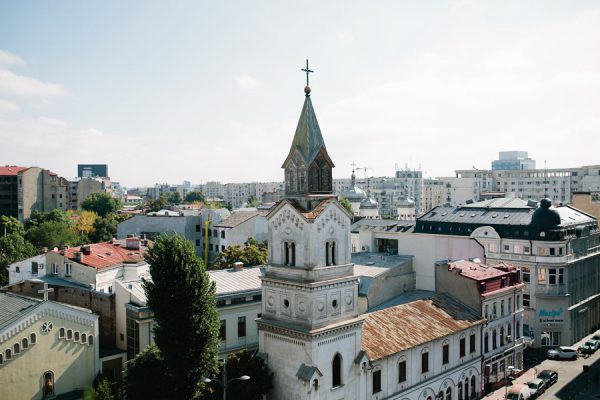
{"x":545,"y":181}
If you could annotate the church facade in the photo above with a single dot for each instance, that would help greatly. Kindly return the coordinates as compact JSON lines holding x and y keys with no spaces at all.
{"x":311,"y":332}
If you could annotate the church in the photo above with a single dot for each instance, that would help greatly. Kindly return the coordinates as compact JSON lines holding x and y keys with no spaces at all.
{"x":311,"y":332}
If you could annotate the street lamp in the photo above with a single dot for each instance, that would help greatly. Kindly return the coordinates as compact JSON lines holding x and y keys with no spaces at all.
{"x":510,"y":370}
{"x":224,"y":383}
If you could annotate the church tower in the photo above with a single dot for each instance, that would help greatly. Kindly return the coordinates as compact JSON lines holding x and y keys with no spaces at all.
{"x":309,"y":328}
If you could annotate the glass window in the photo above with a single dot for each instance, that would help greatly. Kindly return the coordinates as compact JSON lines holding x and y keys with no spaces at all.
{"x":241,"y":327}
{"x":472,"y":343}
{"x":68,"y":267}
{"x":445,"y":353}
{"x":336,"y":367}
{"x":462,"y":347}
{"x":402,"y":371}
{"x":424,"y":362}
{"x":541,"y":275}
{"x":223,"y":330}
{"x":376,"y":381}
{"x":561,"y":276}
{"x":526,"y":299}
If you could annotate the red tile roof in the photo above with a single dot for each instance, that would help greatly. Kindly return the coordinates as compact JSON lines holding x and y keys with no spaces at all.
{"x":106,"y":255}
{"x":11,"y":170}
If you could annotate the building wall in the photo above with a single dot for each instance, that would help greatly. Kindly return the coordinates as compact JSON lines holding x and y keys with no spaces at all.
{"x":9,"y":196}
{"x":40,"y":190}
{"x":588,"y":202}
{"x":231,"y":313}
{"x":74,"y":364}
{"x":24,"y":268}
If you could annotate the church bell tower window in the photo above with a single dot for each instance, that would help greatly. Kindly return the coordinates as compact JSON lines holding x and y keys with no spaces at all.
{"x":336,"y":368}
{"x":289,"y":254}
{"x":330,"y":249}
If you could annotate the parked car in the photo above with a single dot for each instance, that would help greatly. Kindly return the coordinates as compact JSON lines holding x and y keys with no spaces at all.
{"x":589,"y":347}
{"x":518,"y":392}
{"x":537,"y":387}
{"x":596,"y":336}
{"x":549,"y":376}
{"x":563,"y":352}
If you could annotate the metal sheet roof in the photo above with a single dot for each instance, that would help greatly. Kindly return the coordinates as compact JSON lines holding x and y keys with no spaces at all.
{"x":405,"y":326}
{"x":13,"y":305}
{"x":230,"y":281}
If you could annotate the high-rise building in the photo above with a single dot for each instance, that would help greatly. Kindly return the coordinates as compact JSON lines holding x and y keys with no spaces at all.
{"x":92,"y":170}
{"x":511,"y":160}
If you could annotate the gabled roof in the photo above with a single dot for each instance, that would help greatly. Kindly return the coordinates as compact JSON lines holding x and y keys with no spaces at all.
{"x":309,"y":216}
{"x":308,"y":141}
{"x":405,"y":326}
{"x":306,"y":372}
{"x":13,"y":305}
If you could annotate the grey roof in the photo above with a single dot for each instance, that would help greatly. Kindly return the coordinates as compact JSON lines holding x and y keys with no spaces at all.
{"x":306,"y":372}
{"x":382,"y":225}
{"x":56,"y":281}
{"x":136,"y":287}
{"x":237,"y":218}
{"x":369,"y":202}
{"x":369,"y":266}
{"x":230,"y":281}
{"x":354,"y":193}
{"x":308,"y":140}
{"x":12,"y":306}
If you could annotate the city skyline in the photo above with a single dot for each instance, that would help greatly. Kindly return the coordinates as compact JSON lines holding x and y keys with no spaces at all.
{"x":213,"y":93}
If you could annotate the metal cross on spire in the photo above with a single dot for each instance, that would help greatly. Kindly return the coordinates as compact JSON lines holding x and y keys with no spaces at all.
{"x":46,"y":290}
{"x":308,"y":71}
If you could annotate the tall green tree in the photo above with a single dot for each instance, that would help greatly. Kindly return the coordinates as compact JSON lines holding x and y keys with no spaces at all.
{"x":39,"y":217}
{"x":13,"y":247}
{"x":52,"y":234}
{"x":194,"y":197}
{"x":183,"y":300}
{"x":102,"y":204}
{"x":104,"y":229}
{"x":144,"y":377}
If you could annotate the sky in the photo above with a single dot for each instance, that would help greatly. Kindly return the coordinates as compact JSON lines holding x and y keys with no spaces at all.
{"x":212,"y":91}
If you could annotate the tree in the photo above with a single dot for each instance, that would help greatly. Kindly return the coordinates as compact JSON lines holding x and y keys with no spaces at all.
{"x":52,"y":234}
{"x":13,"y":247}
{"x":10,"y":225}
{"x":253,"y":253}
{"x":253,"y":202}
{"x":183,"y":300}
{"x":104,"y":229}
{"x":144,"y":376}
{"x":174,"y":198}
{"x":39,"y":217}
{"x":84,"y":224}
{"x":344,"y":202}
{"x":102,"y":203}
{"x":194,"y":197}
{"x":246,"y":363}
{"x":158,"y":204}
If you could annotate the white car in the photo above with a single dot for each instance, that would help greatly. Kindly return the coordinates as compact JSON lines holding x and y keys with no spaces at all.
{"x":563,"y":352}
{"x":518,"y":392}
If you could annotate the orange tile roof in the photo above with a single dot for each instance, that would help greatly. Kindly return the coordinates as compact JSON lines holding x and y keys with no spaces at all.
{"x":405,"y":326}
{"x":106,"y":255}
{"x":11,"y":170}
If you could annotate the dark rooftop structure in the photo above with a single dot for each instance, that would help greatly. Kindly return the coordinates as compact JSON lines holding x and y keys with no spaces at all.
{"x":511,"y":218}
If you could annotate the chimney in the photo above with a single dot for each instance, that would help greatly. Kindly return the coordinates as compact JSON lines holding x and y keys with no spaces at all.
{"x":238,"y":266}
{"x":87,"y":249}
{"x":78,"y":256}
{"x":132,"y":243}
{"x":44,"y":250}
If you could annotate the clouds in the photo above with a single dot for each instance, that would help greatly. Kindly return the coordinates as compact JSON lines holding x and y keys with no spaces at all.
{"x":12,"y":84}
{"x":9,"y":59}
{"x":247,"y":82}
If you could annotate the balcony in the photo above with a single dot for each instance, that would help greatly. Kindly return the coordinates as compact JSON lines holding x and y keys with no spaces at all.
{"x":551,"y":290}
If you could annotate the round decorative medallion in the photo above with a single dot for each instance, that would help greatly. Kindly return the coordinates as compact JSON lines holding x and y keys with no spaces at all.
{"x":288,"y":230}
{"x":320,"y":306}
{"x":302,"y":308}
{"x":46,"y":327}
{"x":270,"y":301}
{"x":331,"y":230}
{"x":348,"y":300}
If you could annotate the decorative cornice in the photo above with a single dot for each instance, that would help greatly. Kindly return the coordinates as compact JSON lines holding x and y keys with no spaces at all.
{"x":320,"y":333}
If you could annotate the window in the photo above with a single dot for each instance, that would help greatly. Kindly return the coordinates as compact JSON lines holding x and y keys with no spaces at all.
{"x":517,"y":249}
{"x":198,"y":227}
{"x":424,"y":362}
{"x":462,"y":347}
{"x":210,"y":247}
{"x":518,"y":330}
{"x":526,"y":299}
{"x":486,"y":343}
{"x":241,"y":327}
{"x":502,"y":308}
{"x":492,"y":247}
{"x":494,"y":313}
{"x":1,"y":358}
{"x":509,"y":305}
{"x":223,"y":330}
{"x":552,"y":251}
{"x":376,"y":381}
{"x":48,"y":383}
{"x":83,"y":338}
{"x":552,"y":276}
{"x":473,"y":385}
{"x":336,"y":368}
{"x":54,"y":269}
{"x":90,"y":340}
{"x":487,"y":311}
{"x":215,"y":234}
{"x":33,"y":338}
{"x":76,"y":336}
{"x":223,"y":234}
{"x":449,"y":393}
{"x":17,"y":269}
{"x":197,"y":242}
{"x":506,"y":248}
{"x":402,"y":371}
{"x":17,"y":348}
{"x":518,"y":302}
{"x":68,"y":267}
{"x":494,"y":342}
{"x":289,"y":254}
{"x":222,"y":248}
{"x":509,"y":333}
{"x":61,"y":333}
{"x":69,"y":334}
{"x":561,"y":276}
{"x":446,"y":354}
{"x":472,"y":343}
{"x":459,"y":389}
{"x":34,"y":268}
{"x":541,"y":275}
{"x":502,"y":336}
{"x":24,"y":343}
{"x":330,"y":253}
{"x":209,"y":233}
{"x":526,"y":248}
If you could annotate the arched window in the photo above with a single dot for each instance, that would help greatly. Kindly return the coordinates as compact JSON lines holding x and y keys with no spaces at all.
{"x":90,"y":340}
{"x":61,"y":333}
{"x":17,"y":348}
{"x":502,"y":336}
{"x":459,"y":389}
{"x":473,"y":386}
{"x":69,"y":334}
{"x":24,"y":343}
{"x":33,"y":338}
{"x":8,"y":354}
{"x":336,"y":368}
{"x":466,"y":388}
{"x":440,"y":395}
{"x":1,"y":358}
{"x":289,"y":253}
{"x":48,"y":383}
{"x":83,"y":338}
{"x":494,"y":342}
{"x":330,"y":253}
{"x":449,"y":393}
{"x":509,"y":333}
{"x":76,"y":336}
